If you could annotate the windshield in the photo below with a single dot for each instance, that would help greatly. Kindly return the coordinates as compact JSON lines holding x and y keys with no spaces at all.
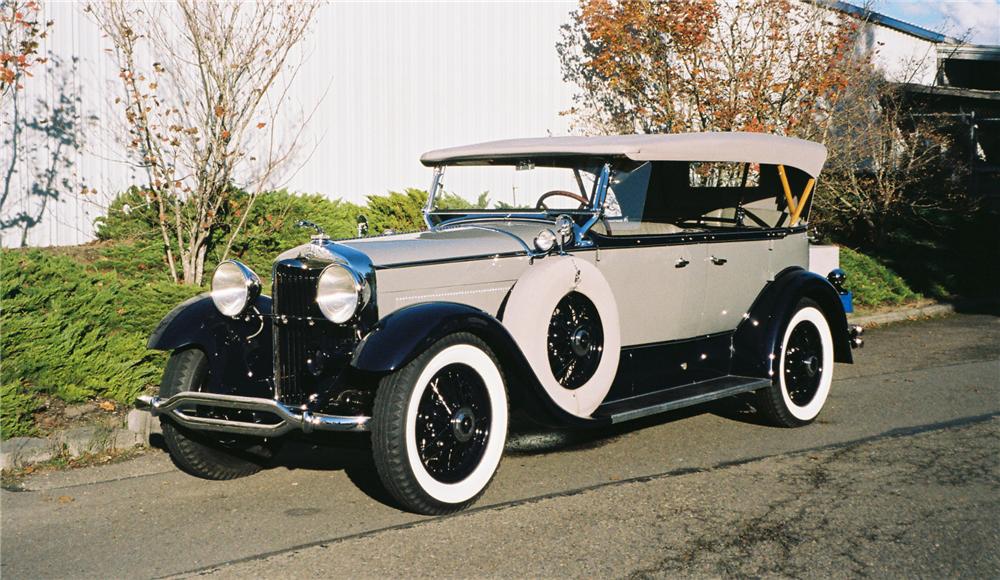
{"x":518,"y":186}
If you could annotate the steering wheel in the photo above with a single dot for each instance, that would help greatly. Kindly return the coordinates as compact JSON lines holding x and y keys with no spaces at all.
{"x":540,"y":204}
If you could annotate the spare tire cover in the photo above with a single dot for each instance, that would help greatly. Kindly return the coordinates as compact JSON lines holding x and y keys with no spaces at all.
{"x":529,"y":310}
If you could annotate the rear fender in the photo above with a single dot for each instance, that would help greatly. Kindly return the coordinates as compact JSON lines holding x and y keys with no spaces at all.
{"x":758,"y":338}
{"x":405,"y":333}
{"x":239,"y":350}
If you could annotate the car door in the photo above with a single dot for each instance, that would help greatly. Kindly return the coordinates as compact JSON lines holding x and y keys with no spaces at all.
{"x":656,"y":274}
{"x":736,"y":272}
{"x":658,"y":287}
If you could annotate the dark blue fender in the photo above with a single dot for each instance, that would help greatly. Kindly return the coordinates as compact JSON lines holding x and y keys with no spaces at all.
{"x":402,"y":335}
{"x":759,"y":336}
{"x":239,"y":350}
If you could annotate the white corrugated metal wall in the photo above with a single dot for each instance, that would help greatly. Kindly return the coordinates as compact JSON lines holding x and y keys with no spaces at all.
{"x":399,"y":78}
{"x":403,"y":78}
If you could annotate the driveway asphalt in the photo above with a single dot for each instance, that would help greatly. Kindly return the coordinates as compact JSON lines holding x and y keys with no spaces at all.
{"x":927,"y":505}
{"x":899,"y":476}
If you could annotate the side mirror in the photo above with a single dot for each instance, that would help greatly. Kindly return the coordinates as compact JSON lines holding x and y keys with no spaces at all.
{"x":362,"y":226}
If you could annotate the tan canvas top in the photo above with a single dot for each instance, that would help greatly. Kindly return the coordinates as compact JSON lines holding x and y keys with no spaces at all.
{"x":735,"y":147}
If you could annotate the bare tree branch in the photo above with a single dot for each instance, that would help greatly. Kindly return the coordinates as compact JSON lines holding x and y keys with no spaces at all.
{"x":197,"y":77}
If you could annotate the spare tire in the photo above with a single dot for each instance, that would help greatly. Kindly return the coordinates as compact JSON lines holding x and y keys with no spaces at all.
{"x":564,"y":318}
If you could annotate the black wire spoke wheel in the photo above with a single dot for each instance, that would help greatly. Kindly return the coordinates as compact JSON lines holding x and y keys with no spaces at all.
{"x":204,"y":453}
{"x":453,"y":423}
{"x":803,"y":363}
{"x":576,"y":340}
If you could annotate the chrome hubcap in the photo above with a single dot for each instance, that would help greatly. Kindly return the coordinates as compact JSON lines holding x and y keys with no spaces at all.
{"x":581,"y":342}
{"x":464,"y":424}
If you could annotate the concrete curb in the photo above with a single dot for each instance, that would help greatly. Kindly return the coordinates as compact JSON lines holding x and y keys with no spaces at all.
{"x":24,"y":451}
{"x":903,"y":314}
{"x":142,"y":424}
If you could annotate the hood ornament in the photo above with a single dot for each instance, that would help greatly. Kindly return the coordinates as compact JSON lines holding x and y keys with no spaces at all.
{"x":319,"y":236}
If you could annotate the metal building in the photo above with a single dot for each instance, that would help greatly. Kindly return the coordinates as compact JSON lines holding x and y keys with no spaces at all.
{"x":403,"y":78}
{"x":399,"y":78}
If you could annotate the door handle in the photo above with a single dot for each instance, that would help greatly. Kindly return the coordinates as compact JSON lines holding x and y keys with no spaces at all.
{"x":681,"y":262}
{"x":718,"y":261}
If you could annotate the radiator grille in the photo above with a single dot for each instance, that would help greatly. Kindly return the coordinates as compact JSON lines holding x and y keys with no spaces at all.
{"x":310,"y":352}
{"x":295,"y":291}
{"x":294,"y":296}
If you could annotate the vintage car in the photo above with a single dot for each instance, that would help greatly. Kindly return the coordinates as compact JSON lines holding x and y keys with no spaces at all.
{"x":598,"y":280}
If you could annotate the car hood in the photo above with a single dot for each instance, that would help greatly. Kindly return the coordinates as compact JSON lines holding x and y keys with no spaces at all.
{"x":469,"y":241}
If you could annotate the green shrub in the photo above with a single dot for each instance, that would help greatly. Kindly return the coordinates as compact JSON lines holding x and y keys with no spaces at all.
{"x":404,"y":211}
{"x":130,"y":216}
{"x":75,"y":325}
{"x":17,"y":403}
{"x":75,"y":320}
{"x":872,"y":283}
{"x":271,"y":226}
{"x":398,"y":211}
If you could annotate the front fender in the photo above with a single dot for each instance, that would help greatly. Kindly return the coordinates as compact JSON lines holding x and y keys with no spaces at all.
{"x":405,"y":333}
{"x":239,"y":350}
{"x":758,"y":338}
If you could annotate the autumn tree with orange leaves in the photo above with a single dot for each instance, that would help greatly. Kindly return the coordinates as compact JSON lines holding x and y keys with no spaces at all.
{"x":642,"y":66}
{"x":787,"y":67}
{"x":21,"y":29}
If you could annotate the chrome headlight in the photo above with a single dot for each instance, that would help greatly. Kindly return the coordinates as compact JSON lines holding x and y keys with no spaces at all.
{"x":339,"y":293}
{"x":234,"y":287}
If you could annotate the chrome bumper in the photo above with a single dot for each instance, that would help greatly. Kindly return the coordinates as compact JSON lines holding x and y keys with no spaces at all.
{"x":290,"y":419}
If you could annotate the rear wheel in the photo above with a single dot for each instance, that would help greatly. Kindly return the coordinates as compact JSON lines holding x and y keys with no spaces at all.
{"x":439,"y":426}
{"x":805,"y":369}
{"x":203,"y":454}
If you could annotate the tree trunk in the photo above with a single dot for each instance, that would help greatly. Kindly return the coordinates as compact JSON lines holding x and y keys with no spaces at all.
{"x":200,"y":262}
{"x":188,"y":262}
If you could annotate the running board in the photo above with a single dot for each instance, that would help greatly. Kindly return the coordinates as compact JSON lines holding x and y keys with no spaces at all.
{"x":677,"y":397}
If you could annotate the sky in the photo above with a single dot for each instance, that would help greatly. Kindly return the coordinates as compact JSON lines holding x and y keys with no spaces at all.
{"x":977,"y":21}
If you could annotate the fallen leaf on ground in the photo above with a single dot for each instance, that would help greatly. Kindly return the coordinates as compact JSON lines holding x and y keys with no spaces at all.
{"x":107,"y":406}
{"x":65,"y":499}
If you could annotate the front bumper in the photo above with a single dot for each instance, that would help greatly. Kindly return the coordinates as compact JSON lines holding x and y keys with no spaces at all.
{"x":287,"y":418}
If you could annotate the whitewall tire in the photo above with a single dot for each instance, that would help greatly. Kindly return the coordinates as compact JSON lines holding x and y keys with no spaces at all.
{"x":804,"y":369}
{"x":440,"y":425}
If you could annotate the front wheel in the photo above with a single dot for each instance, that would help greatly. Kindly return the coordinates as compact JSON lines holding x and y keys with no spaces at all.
{"x":805,"y":369}
{"x":440,"y":425}
{"x":205,"y":455}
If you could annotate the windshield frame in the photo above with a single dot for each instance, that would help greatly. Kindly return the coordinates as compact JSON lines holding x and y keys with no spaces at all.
{"x":436,"y":218}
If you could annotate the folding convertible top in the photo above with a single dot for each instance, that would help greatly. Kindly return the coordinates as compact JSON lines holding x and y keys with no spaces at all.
{"x":732,"y":147}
